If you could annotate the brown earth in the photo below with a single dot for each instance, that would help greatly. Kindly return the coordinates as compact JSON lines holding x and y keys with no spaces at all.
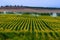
{"x":30,"y":10}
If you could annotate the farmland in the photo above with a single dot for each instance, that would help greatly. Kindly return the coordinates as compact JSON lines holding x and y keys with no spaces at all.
{"x":27,"y":27}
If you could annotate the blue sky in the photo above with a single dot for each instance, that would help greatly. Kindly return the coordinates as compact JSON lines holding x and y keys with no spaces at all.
{"x":40,"y":3}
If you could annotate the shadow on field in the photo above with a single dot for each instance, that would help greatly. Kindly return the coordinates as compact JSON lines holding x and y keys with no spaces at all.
{"x":29,"y":36}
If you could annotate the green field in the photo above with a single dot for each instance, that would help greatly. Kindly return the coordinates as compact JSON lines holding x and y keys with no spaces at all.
{"x":28,"y":27}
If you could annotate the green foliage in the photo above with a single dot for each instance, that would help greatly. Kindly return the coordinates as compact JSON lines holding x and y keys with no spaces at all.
{"x":26,"y":27}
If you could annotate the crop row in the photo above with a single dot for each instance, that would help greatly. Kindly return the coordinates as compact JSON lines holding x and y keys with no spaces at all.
{"x":28,"y":25}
